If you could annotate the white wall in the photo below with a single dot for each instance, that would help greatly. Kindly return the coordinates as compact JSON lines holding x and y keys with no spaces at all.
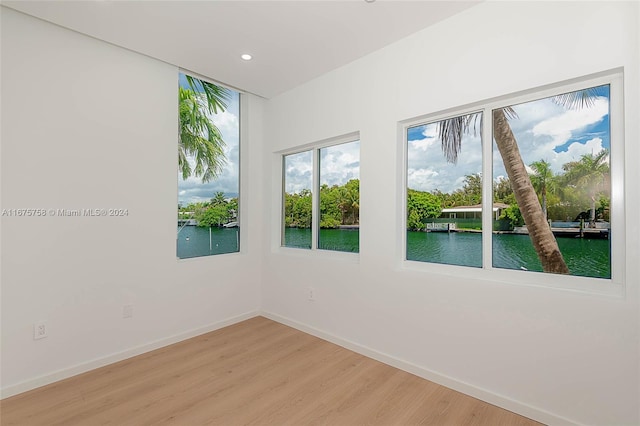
{"x":555,"y":355}
{"x":85,"y":124}
{"x":89,"y":125}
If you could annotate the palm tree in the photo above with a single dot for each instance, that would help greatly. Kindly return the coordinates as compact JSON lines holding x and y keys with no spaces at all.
{"x":542,"y":180}
{"x":218,"y":199}
{"x":353,"y":193}
{"x":345,"y":202}
{"x":544,"y":242}
{"x":199,"y":139}
{"x":591,"y":174}
{"x":216,"y":96}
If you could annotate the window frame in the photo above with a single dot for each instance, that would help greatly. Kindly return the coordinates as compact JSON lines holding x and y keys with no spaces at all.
{"x":315,"y":148}
{"x":613,"y":286}
{"x":242,"y":141}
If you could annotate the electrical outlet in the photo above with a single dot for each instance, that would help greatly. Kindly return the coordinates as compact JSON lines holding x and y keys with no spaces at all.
{"x":127,"y":311}
{"x":312,"y":294}
{"x":40,"y":330}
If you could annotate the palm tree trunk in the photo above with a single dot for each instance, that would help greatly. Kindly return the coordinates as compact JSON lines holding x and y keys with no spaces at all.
{"x":544,"y":242}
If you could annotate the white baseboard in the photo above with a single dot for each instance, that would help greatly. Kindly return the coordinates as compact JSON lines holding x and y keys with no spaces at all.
{"x":119,"y":356}
{"x":452,"y":383}
{"x":449,"y":382}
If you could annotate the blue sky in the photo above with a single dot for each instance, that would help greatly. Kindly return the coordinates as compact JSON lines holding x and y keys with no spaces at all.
{"x":543,"y":129}
{"x":192,"y":189}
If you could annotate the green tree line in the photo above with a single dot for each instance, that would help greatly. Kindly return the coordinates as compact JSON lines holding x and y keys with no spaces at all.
{"x":339,"y":205}
{"x":581,"y":191}
{"x":216,"y":212}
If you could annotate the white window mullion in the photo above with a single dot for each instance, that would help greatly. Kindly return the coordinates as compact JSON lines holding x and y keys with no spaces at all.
{"x":487,"y":188}
{"x":315,"y":200}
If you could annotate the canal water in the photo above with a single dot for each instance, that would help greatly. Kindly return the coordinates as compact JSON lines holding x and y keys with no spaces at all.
{"x":584,"y":257}
{"x":194,"y":241}
{"x":328,"y":239}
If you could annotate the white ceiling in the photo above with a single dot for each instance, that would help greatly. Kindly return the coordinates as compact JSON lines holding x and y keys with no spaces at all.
{"x":291,"y":41}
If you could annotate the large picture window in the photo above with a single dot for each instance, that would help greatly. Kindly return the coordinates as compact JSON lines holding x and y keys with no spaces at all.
{"x":549,"y":205}
{"x":321,"y":203}
{"x":208,"y":169}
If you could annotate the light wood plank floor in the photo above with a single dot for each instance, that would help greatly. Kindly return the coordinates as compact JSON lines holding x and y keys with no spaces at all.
{"x":257,"y":372}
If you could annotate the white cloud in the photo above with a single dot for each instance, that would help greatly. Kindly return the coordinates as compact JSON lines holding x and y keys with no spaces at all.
{"x":298,"y":172}
{"x":428,"y":168}
{"x":229,"y":126}
{"x":577,"y":150}
{"x":564,"y":125}
{"x":421,"y":178}
{"x":340,"y":163}
{"x":540,"y":128}
{"x":192,"y":189}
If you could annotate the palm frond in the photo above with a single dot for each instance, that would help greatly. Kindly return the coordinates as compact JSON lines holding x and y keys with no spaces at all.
{"x":450,"y":134}
{"x":451,"y":131}
{"x":217,"y":96}
{"x":201,"y":145}
{"x":584,"y":98}
{"x":510,"y":113}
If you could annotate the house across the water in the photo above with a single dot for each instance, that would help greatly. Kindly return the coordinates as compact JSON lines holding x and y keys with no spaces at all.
{"x":471,"y":212}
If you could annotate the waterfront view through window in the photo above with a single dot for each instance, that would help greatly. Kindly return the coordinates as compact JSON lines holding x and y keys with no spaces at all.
{"x":298,"y":204}
{"x":208,"y":169}
{"x":340,"y":197}
{"x":337,"y":225}
{"x":558,"y":219}
{"x":444,"y":191}
{"x":551,"y":186}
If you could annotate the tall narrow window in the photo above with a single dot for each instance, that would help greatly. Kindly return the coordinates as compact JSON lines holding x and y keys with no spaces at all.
{"x":340,"y":197}
{"x":298,"y":202}
{"x":444,"y":191}
{"x":208,"y":169}
{"x":552,"y":175}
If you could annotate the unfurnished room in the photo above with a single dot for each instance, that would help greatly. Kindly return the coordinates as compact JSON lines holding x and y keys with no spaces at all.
{"x":309,"y":212}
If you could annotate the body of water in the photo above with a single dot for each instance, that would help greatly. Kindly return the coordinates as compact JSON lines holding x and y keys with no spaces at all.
{"x":328,"y":239}
{"x":194,"y":241}
{"x":584,"y":257}
{"x":454,"y":248}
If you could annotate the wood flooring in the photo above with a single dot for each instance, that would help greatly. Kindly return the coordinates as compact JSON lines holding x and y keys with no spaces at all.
{"x":257,"y":372}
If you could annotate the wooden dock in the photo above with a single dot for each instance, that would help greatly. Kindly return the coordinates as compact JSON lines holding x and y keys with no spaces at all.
{"x":576,"y":232}
{"x":560,"y":232}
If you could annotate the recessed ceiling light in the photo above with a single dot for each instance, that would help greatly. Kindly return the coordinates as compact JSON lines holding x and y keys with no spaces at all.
{"x":369,"y":1}
{"x":246,"y":56}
